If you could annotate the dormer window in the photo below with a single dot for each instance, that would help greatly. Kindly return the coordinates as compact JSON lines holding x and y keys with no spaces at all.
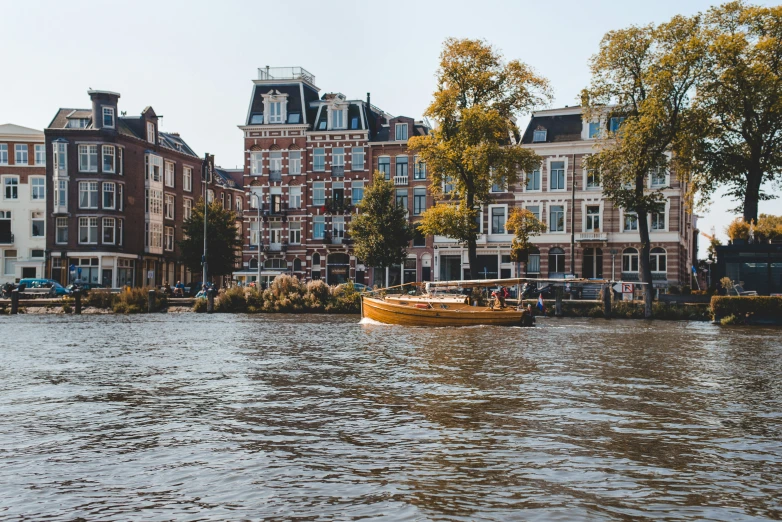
{"x":294,"y":117}
{"x":275,"y":107}
{"x":615,"y":122}
{"x":256,"y":118}
{"x":337,"y":119}
{"x":108,"y":117}
{"x":401,"y":131}
{"x":78,"y":123}
{"x":539,"y":136}
{"x":275,"y":112}
{"x":354,"y":125}
{"x":150,"y":132}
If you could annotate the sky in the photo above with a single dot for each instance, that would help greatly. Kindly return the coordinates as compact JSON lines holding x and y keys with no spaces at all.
{"x":194,"y":61}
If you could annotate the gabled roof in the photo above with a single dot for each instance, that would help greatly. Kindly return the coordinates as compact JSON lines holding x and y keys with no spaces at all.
{"x":558,"y":127}
{"x":299,"y":97}
{"x":60,"y":120}
{"x":174,"y":141}
{"x":10,"y":128}
{"x":231,"y":178}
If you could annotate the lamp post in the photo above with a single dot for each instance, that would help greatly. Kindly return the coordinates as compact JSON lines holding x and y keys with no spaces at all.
{"x":258,"y":206}
{"x":613,"y":253}
{"x":708,"y":263}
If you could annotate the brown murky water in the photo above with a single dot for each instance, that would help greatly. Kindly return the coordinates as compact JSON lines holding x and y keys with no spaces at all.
{"x":192,"y":417}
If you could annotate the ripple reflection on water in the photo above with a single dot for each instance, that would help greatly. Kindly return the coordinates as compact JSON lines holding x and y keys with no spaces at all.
{"x":278,"y":417}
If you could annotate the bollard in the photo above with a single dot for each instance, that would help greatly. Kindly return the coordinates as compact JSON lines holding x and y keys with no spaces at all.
{"x":210,"y":300}
{"x":607,"y":301}
{"x":151,"y":301}
{"x":558,"y":307}
{"x":14,"y":302}
{"x":77,"y":296}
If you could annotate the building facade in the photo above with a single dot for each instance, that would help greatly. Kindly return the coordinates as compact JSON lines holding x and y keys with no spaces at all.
{"x":23,"y":203}
{"x":120,"y":190}
{"x":586,"y":234}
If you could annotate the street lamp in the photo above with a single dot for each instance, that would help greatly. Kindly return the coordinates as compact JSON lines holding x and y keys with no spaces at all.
{"x":258,"y":206}
{"x":708,"y":263}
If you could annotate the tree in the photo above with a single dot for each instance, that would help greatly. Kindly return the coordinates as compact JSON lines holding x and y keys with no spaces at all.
{"x":473,"y":146}
{"x":645,"y":75}
{"x":741,"y":96}
{"x":223,"y":242}
{"x":523,"y":225}
{"x":380,"y":231}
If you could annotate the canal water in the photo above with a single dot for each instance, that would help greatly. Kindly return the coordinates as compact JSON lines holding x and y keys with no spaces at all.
{"x":282,"y":417}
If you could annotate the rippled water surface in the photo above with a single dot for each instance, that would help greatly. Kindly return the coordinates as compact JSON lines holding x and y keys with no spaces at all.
{"x":190,"y":417}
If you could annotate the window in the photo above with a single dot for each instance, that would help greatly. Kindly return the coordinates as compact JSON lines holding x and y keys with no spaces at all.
{"x":419,"y":239}
{"x":384,"y":166}
{"x":88,"y":194}
{"x":108,"y":117}
{"x":238,"y":204}
{"x":88,"y":158}
{"x":354,"y":123}
{"x":533,"y":263}
{"x":119,"y":161}
{"x":120,"y":233}
{"x":497,"y":220}
{"x":3,"y":154}
{"x":401,"y":166}
{"x":556,"y":261}
{"x":319,"y":193}
{"x":318,"y":227}
{"x":275,"y":112}
{"x":535,"y":209}
{"x":60,"y":154}
{"x":357,"y":158}
{"x":556,"y":218}
{"x":658,"y":260}
{"x":169,"y":239}
{"x":539,"y":136}
{"x":120,"y":202}
{"x":154,"y":168}
{"x":338,"y":227}
{"x":630,"y":260}
{"x":357,"y":189}
{"x":319,"y":159}
{"x":419,"y":200}
{"x":61,"y":195}
{"x":170,"y":203}
{"x":108,"y":158}
{"x":9,"y":264}
{"x":294,"y":197}
{"x":187,"y":179}
{"x":88,"y":230}
{"x":109,"y":193}
{"x":61,"y":224}
{"x":169,"y":180}
{"x":154,"y":235}
{"x":40,"y":155}
{"x":419,"y":168}
{"x":594,"y":130}
{"x":658,"y":220}
{"x":294,"y":117}
{"x":108,"y":231}
{"x":11,"y":186}
{"x":256,"y":162}
{"x":275,"y":164}
{"x":254,"y":236}
{"x":615,"y":122}
{"x":448,"y":185}
{"x":38,"y":224}
{"x":533,"y":180}
{"x":658,"y":177}
{"x":401,"y":198}
{"x":593,"y":179}
{"x":294,"y":162}
{"x":593,"y":219}
{"x":256,"y":118}
{"x":38,"y":188}
{"x":21,"y":156}
{"x":187,"y":210}
{"x":499,"y":187}
{"x":337,"y":161}
{"x":401,"y":131}
{"x":151,"y":132}
{"x":631,"y":221}
{"x":154,"y":201}
{"x":557,"y":175}
{"x":337,"y":119}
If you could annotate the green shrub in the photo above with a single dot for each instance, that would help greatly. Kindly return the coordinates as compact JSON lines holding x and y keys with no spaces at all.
{"x":66,"y":308}
{"x":747,"y":307}
{"x":200,"y":306}
{"x":344,"y":300}
{"x":231,"y":301}
{"x":134,"y":301}
{"x":730,"y":320}
{"x":100,"y":298}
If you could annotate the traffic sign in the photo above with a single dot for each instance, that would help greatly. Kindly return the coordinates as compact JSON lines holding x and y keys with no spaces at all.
{"x":627,"y":288}
{"x":72,"y":268}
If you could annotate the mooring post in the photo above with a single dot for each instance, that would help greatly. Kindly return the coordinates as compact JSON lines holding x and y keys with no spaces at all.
{"x":607,"y":301}
{"x":77,"y":297}
{"x":210,"y":300}
{"x":151,"y":301}
{"x":15,"y":301}
{"x":558,"y":307}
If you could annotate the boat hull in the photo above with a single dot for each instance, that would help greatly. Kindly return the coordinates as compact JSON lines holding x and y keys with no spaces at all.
{"x":450,"y":315}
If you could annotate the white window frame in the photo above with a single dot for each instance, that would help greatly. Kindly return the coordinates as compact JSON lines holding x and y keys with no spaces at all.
{"x":337,"y":118}
{"x":631,"y":256}
{"x":40,"y":155}
{"x":319,"y":153}
{"x":3,"y":154}
{"x":357,"y":158}
{"x":111,"y":222}
{"x":540,"y":214}
{"x":318,"y":220}
{"x":109,"y":188}
{"x":89,"y":188}
{"x":151,"y":132}
{"x":294,"y":197}
{"x":564,"y":161}
{"x":539,"y":172}
{"x":654,"y":260}
{"x":11,"y":181}
{"x":537,"y":134}
{"x":256,"y":163}
{"x":61,"y":223}
{"x":108,"y":111}
{"x":599,"y":216}
{"x":37,"y":188}
{"x":384,"y":160}
{"x":187,"y":208}
{"x":168,"y":205}
{"x":91,"y":224}
{"x":357,"y":185}
{"x":294,"y":232}
{"x":108,"y":151}
{"x":294,"y":162}
{"x":168,"y":245}
{"x":491,"y":219}
{"x":187,"y":179}
{"x":401,"y":132}
{"x":564,"y":217}
{"x":154,"y":202}
{"x":88,"y":157}
{"x":318,"y":187}
{"x":60,"y":195}
{"x":623,"y":215}
{"x":170,"y":174}
{"x":38,"y":216}
{"x":21,"y":154}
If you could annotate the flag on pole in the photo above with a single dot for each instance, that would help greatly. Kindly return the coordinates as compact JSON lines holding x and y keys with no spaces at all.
{"x":541,"y":306}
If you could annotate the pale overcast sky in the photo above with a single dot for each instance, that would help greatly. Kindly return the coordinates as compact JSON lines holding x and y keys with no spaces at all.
{"x":194,"y":61}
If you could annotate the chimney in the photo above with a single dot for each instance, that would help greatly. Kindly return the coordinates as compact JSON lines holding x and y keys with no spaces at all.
{"x":368,"y":98}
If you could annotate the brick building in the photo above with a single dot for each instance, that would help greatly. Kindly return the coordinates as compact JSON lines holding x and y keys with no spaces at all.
{"x":120,"y":189}
{"x":22,"y":203}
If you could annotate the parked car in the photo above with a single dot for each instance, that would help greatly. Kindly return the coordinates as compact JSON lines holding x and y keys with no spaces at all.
{"x":532,"y":291}
{"x":57,"y":289}
{"x":30,"y":282}
{"x":359,"y":287}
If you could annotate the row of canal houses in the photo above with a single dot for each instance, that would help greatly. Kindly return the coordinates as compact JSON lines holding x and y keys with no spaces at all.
{"x":105,"y":194}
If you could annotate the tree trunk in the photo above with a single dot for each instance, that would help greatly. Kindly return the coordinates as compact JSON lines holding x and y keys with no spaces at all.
{"x":645,"y":265}
{"x":752,"y":192}
{"x":472,"y":244}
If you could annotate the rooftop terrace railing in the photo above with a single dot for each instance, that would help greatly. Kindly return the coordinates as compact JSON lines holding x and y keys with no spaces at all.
{"x":285,"y":73}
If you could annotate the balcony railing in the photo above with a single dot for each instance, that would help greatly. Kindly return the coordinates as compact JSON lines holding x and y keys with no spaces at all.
{"x":592,"y":236}
{"x":337,"y":206}
{"x":6,"y":238}
{"x":285,"y":73}
{"x":400,"y":180}
{"x":337,"y":171}
{"x":275,"y":175}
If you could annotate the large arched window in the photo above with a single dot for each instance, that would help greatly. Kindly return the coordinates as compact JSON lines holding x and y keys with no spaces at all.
{"x":254,"y":263}
{"x":556,"y":260}
{"x":297,"y":265}
{"x":630,"y":260}
{"x":658,"y":260}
